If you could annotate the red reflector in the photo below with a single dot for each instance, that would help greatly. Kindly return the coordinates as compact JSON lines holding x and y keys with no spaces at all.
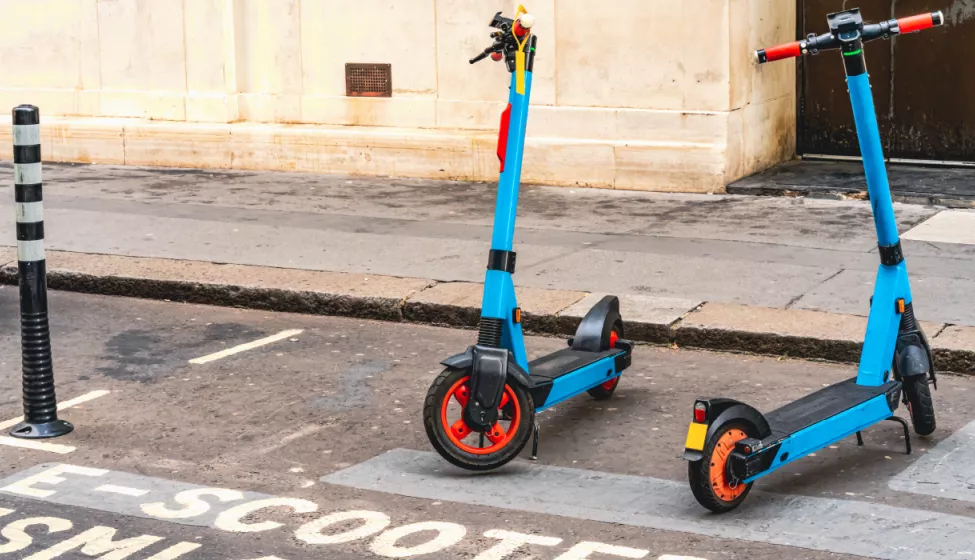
{"x":700,"y":413}
{"x":503,"y":135}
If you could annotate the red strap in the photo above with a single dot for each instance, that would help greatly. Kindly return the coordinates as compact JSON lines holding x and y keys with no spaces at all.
{"x":789,"y":50}
{"x":503,"y":135}
{"x":916,"y":23}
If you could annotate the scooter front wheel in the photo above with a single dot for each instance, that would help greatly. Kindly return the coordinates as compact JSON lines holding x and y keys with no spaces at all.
{"x":920,"y":404}
{"x":709,"y":477}
{"x":456,"y":442}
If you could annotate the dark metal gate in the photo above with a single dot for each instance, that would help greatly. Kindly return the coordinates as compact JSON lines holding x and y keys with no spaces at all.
{"x":923,"y":84}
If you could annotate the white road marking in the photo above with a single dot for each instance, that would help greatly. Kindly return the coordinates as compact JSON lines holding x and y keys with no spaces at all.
{"x":66,"y":404}
{"x":36,"y":445}
{"x":448,"y":534}
{"x":370,"y":528}
{"x":948,"y":226}
{"x":123,"y":490}
{"x":245,"y":347}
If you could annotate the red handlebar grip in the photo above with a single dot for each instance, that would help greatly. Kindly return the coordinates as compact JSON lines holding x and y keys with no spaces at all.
{"x":919,"y":23}
{"x":771,"y":54}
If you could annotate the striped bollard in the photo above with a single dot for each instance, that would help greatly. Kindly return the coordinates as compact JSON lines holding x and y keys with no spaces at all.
{"x":40,"y":403}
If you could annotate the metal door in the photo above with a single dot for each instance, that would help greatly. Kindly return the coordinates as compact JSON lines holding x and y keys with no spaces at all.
{"x":923,"y":84}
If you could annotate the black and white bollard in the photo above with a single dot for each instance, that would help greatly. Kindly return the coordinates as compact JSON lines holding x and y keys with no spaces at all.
{"x":40,"y":403}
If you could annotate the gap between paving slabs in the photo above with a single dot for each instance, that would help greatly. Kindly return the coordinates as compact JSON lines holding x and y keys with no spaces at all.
{"x":649,"y":319}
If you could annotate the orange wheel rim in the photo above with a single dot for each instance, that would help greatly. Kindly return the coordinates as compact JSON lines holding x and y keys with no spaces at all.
{"x":722,"y":487}
{"x":498,"y":436}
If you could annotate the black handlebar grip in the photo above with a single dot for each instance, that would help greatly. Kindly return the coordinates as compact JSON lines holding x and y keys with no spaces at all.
{"x":479,"y":58}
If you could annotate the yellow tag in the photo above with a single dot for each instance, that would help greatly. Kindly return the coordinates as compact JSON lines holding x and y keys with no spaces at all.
{"x":695,"y":436}
{"x":520,"y":72}
{"x":521,"y":10}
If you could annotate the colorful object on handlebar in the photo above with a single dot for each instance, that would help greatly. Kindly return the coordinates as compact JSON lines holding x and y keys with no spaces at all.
{"x":829,"y":41}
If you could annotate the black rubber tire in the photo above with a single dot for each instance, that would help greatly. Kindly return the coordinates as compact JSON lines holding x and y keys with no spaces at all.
{"x":442,"y":444}
{"x":699,"y":473}
{"x":599,"y":392}
{"x":920,"y":404}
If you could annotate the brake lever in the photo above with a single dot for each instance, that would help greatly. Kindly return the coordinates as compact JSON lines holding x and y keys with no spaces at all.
{"x":496,"y":47}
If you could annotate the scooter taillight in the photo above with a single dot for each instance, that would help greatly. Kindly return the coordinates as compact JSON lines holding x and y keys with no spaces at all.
{"x":700,"y":413}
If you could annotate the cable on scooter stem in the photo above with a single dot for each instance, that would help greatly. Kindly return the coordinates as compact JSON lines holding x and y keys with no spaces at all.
{"x":813,"y":44}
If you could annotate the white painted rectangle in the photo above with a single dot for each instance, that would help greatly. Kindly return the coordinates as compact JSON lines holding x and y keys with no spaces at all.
{"x":27,"y":134}
{"x":121,"y":490}
{"x":867,"y":529}
{"x":27,"y":173}
{"x":30,"y":251}
{"x":36,"y":445}
{"x":245,"y":347}
{"x":30,"y":212}
{"x":948,"y":226}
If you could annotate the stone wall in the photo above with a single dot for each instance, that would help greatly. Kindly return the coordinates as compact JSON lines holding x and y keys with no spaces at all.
{"x":628,"y":94}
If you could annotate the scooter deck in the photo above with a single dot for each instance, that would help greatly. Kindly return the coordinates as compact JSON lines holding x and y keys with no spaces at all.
{"x":548,"y":368}
{"x":821,"y":405}
{"x":566,"y":373}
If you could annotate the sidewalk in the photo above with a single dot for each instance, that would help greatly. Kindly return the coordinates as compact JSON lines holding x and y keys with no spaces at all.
{"x":793,"y":270}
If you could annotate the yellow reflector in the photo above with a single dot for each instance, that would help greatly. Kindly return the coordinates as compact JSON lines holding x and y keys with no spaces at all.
{"x":695,"y":436}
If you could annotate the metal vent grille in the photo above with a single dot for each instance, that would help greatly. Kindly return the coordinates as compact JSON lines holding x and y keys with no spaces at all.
{"x":368,"y":80}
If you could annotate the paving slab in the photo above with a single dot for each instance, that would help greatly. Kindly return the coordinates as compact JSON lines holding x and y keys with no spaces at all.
{"x":954,"y":349}
{"x":936,"y":298}
{"x":792,"y":332}
{"x":950,"y":226}
{"x":646,"y":318}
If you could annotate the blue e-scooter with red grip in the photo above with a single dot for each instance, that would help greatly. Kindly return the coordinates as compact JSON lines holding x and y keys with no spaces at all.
{"x":730,"y":444}
{"x":480,"y":412}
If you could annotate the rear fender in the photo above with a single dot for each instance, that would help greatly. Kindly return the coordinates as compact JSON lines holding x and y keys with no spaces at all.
{"x":594,"y":330}
{"x":733,"y":410}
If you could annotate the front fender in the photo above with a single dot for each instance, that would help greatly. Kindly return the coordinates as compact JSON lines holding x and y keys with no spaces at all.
{"x":465,"y":360}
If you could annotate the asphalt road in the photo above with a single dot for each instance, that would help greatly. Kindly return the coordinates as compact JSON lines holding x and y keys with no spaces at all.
{"x":312,"y":447}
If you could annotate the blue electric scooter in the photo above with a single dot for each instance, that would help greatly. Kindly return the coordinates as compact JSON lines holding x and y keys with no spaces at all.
{"x":480,"y":412}
{"x":730,"y":444}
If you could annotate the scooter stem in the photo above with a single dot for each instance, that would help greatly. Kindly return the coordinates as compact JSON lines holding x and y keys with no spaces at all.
{"x":510,"y":180}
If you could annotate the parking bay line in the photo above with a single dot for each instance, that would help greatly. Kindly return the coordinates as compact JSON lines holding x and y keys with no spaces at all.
{"x":245,"y":347}
{"x":41,"y":445}
{"x":839,"y":526}
{"x":61,"y":406}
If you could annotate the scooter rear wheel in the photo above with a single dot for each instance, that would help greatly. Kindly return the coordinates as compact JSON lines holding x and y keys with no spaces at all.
{"x":605,"y":390}
{"x":920,"y":404}
{"x":709,"y":476}
{"x":464,"y":447}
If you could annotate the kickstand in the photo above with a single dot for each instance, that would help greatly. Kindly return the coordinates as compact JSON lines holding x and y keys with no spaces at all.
{"x":907,"y":431}
{"x":535,"y":443}
{"x":859,"y":439}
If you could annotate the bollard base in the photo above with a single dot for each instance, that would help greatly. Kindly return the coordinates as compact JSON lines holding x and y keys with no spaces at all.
{"x":30,"y":430}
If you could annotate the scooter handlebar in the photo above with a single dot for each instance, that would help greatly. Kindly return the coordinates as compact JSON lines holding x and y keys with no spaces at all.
{"x":869,"y":32}
{"x":780,"y":52}
{"x":920,"y":22}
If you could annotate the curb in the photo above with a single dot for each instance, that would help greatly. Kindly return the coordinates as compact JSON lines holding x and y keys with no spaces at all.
{"x":708,"y":325}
